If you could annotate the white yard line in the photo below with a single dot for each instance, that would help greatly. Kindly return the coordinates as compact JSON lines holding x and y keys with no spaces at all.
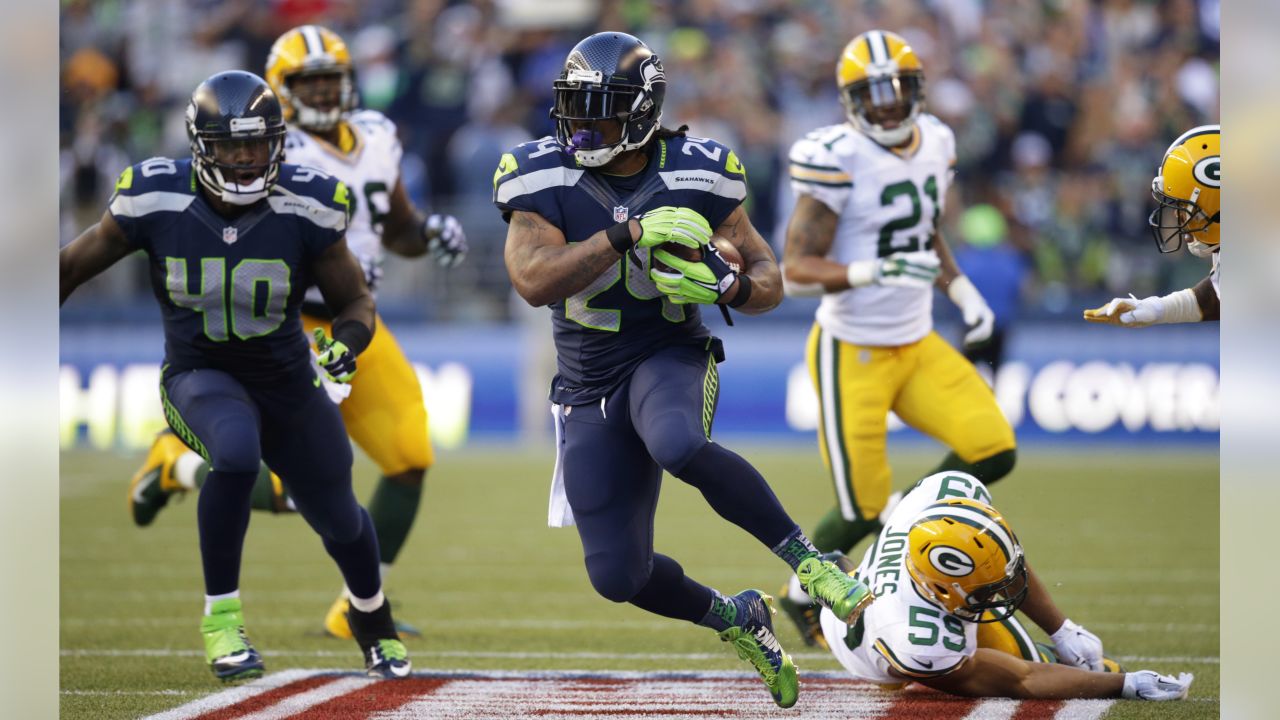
{"x":295,"y":704}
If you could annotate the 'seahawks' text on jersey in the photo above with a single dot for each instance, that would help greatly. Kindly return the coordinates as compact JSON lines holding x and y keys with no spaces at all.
{"x":602,"y":332}
{"x":371,"y":171}
{"x":888,"y":202}
{"x":902,"y":634}
{"x":230,"y":288}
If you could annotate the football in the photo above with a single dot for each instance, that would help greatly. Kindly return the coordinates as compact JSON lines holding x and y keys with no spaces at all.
{"x":726,"y":248}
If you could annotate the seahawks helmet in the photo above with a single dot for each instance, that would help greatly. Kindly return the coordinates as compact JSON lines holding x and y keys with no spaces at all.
{"x":609,"y":76}
{"x":962,"y":555}
{"x":229,"y":110}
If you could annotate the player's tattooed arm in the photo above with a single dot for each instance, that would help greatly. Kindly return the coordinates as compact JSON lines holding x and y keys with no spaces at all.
{"x":759,"y":261}
{"x":341,"y":281}
{"x":810,"y":233}
{"x":401,"y":228}
{"x":991,"y":673}
{"x":544,"y":267}
{"x":1207,"y":299}
{"x":97,"y":249}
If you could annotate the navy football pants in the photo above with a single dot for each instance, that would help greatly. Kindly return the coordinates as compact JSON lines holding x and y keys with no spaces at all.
{"x":291,"y":425}
{"x":614,"y":455}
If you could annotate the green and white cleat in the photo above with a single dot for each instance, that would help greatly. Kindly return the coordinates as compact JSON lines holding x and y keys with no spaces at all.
{"x":375,"y":632}
{"x":843,"y":594}
{"x":755,"y":642}
{"x":226,"y":646}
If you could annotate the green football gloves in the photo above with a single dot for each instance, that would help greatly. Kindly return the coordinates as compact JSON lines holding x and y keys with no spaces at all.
{"x":335,"y":357}
{"x":703,"y":282}
{"x":679,"y":225}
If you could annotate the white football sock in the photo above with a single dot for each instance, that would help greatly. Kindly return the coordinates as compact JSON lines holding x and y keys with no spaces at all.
{"x":184,"y":469}
{"x":209,"y":600}
{"x":368,"y":605}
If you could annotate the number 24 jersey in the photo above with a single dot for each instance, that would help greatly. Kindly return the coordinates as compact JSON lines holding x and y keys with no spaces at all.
{"x":887,"y":202}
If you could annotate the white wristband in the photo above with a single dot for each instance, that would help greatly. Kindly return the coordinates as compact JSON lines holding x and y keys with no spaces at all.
{"x":961,"y":291}
{"x":861,"y":272}
{"x":790,"y":288}
{"x":1181,"y":307}
{"x":1129,"y":691}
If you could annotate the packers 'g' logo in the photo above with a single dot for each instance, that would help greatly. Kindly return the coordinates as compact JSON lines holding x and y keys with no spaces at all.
{"x":951,"y":561}
{"x":1209,"y":171}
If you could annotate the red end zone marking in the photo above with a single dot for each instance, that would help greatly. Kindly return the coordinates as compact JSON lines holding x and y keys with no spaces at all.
{"x":267,"y":699}
{"x":375,"y":698}
{"x":1038,"y":710}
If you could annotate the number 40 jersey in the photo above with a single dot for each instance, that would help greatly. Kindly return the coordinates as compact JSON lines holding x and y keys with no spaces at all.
{"x":888,"y":201}
{"x":370,"y":170}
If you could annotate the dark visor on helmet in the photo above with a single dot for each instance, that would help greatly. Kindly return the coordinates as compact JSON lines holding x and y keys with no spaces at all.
{"x":1175,"y":221}
{"x":886,"y":99}
{"x":1001,"y":598}
{"x":579,"y":110}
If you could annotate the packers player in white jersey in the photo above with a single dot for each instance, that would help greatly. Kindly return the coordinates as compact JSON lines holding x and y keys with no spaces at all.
{"x":310,"y":70}
{"x":864,"y":236}
{"x":948,"y":574}
{"x":1187,"y":189}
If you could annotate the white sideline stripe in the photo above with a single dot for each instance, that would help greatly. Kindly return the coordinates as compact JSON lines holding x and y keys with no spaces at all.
{"x":169,"y":653}
{"x":1084,"y":709}
{"x":218,"y":700}
{"x":295,"y":704}
{"x":994,"y":709}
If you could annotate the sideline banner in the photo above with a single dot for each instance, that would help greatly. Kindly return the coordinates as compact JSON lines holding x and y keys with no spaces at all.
{"x":1059,"y":381}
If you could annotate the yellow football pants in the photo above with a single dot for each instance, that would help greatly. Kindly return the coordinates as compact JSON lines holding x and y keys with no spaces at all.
{"x":385,"y":414}
{"x":927,"y":383}
{"x":1008,"y":636}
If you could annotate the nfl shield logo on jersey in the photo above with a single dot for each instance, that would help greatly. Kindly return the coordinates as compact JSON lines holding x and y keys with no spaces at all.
{"x":229,"y":235}
{"x":620,"y":214}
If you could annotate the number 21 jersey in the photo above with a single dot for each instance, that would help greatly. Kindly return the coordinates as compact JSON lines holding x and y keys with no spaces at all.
{"x":888,"y":202}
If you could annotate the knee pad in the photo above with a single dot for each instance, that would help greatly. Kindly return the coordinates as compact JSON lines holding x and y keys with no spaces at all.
{"x":615,"y":579}
{"x":235,"y":450}
{"x":673,"y":451}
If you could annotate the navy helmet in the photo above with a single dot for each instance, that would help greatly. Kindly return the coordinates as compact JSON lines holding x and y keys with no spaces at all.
{"x":608,"y":76}
{"x":238,"y":107}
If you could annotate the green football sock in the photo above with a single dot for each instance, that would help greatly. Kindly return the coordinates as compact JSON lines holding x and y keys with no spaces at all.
{"x":835,"y":533}
{"x":393,"y":508}
{"x":988,"y":469}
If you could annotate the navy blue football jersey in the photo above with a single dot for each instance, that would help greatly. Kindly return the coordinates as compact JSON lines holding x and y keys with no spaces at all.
{"x":230,"y":288}
{"x":602,"y":332}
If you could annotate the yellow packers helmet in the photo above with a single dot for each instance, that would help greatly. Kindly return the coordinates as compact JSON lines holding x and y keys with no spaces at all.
{"x":963,"y":557}
{"x":1186,"y":188}
{"x":310,"y":50}
{"x":881,"y":85}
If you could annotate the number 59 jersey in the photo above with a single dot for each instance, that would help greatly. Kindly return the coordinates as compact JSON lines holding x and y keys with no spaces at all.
{"x":371,"y":171}
{"x":230,"y":289}
{"x":902,"y":635}
{"x":888,"y":201}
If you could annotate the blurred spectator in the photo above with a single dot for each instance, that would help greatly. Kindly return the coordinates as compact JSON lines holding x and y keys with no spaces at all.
{"x":1061,"y":109}
{"x":998,"y":270}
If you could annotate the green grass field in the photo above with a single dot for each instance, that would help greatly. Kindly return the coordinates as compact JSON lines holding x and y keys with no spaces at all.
{"x":1127,"y":541}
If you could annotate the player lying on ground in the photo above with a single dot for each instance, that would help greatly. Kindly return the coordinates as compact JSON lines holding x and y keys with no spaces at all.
{"x":1187,"y":190}
{"x":948,"y":574}
{"x":591,"y":209}
{"x":234,"y":236}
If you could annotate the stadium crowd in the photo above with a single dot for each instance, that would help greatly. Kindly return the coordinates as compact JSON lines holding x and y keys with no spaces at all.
{"x":1061,"y":108}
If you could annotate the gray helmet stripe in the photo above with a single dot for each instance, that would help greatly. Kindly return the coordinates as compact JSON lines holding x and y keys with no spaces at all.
{"x":315,"y":43}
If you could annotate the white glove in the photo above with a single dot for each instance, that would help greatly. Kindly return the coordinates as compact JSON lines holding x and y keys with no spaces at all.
{"x":977,"y":314}
{"x":1128,"y":312}
{"x":446,"y":241}
{"x":905,"y":269}
{"x":1077,"y":646}
{"x":1151,"y":685}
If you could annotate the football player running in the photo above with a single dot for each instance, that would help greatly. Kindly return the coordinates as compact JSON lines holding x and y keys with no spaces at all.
{"x":310,"y":70}
{"x":864,"y":236}
{"x":590,"y":209}
{"x":234,"y":236}
{"x":1187,"y":189}
{"x":948,"y":574}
